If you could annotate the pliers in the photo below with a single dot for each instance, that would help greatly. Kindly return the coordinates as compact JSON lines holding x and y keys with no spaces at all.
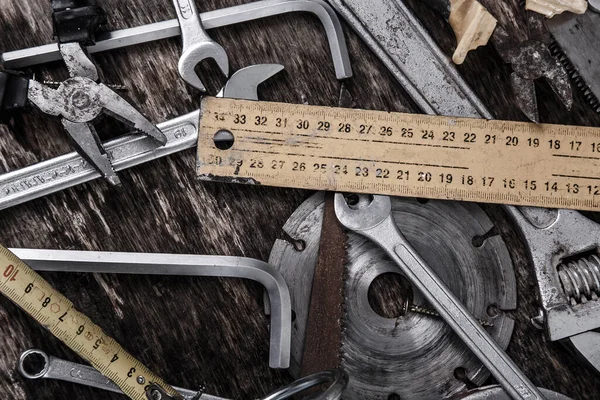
{"x":530,"y":59}
{"x":79,"y":100}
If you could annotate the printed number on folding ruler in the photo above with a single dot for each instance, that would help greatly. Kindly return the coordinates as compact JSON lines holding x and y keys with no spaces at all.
{"x":324,"y":148}
{"x":56,"y":313}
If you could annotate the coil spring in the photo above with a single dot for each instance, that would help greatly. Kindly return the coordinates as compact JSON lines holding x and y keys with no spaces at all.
{"x":580,"y":279}
{"x":572,"y":72}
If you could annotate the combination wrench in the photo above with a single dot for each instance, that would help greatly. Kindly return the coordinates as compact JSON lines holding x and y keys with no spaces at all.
{"x":372,"y":218}
{"x":56,"y":368}
{"x":197,"y":45}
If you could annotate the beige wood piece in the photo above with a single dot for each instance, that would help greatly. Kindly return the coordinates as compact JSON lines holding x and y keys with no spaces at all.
{"x":473,"y":26}
{"x":550,"y":8}
{"x":376,"y":152}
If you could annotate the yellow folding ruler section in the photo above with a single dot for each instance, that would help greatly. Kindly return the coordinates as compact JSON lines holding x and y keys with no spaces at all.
{"x":56,"y":313}
{"x":324,"y":148}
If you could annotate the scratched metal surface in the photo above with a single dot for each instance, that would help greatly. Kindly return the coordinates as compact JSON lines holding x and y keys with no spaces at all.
{"x":212,"y":331}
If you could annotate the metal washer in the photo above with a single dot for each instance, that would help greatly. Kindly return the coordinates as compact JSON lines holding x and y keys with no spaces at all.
{"x":413,"y":356}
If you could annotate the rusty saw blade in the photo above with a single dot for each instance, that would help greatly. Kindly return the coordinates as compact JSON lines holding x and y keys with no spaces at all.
{"x":576,"y":44}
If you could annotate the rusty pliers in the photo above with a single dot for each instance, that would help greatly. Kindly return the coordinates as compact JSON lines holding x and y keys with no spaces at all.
{"x":530,"y":59}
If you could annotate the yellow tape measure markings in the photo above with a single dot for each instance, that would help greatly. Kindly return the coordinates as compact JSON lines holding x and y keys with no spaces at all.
{"x":324,"y":148}
{"x":56,"y":313}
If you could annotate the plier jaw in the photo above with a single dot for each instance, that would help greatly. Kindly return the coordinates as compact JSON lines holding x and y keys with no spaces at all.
{"x":79,"y":101}
{"x":532,"y":59}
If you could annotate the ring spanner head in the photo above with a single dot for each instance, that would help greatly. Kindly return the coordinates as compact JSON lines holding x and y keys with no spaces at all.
{"x":38,"y":373}
{"x":362,"y":212}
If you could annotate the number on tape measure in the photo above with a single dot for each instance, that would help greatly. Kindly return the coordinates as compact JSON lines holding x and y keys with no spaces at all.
{"x":324,"y":148}
{"x":56,"y":313}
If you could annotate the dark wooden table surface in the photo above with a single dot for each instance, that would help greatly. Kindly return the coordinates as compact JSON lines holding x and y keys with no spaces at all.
{"x":204,"y":330}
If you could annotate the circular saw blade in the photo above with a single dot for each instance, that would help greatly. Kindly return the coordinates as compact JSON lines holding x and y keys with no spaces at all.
{"x":413,"y":356}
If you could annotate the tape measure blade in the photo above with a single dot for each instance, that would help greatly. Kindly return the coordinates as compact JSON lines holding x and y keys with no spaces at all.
{"x":325,"y":148}
{"x":27,"y":289}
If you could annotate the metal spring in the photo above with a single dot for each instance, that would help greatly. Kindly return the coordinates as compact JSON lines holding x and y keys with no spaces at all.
{"x":572,"y":71}
{"x":580,"y":279}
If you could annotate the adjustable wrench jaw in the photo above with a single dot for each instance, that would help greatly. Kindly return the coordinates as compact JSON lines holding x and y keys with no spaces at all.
{"x":553,"y":236}
{"x":570,"y":308}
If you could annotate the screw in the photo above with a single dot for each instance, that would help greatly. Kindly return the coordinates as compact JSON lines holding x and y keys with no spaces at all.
{"x":156,"y":395}
{"x":433,"y":313}
{"x":538,"y":321}
{"x":141,"y":380}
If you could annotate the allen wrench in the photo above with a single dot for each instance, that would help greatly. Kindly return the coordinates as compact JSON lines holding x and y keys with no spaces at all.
{"x":182,"y":265}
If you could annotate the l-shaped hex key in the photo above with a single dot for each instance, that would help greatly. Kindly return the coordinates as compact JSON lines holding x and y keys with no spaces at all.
{"x":186,"y":265}
{"x":211,"y":19}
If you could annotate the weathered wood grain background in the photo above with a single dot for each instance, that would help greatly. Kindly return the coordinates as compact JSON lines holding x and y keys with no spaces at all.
{"x":213,"y":331}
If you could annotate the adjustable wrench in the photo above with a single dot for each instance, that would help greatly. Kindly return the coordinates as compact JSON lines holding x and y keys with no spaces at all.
{"x":564,"y":245}
{"x":197,"y":45}
{"x":373,"y":219}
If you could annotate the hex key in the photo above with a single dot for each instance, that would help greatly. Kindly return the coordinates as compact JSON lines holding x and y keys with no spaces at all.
{"x":185,"y":265}
{"x":210,"y":19}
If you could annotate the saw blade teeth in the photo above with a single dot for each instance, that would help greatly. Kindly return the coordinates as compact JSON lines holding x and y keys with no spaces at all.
{"x":387,"y":357}
{"x":589,"y":96}
{"x":343,"y":324}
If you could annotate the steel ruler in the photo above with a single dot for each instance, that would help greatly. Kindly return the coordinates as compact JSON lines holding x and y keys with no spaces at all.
{"x":348,"y":150}
{"x":56,"y":313}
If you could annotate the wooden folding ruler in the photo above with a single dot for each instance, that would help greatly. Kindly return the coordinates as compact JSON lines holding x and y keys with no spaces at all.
{"x":56,"y":313}
{"x":324,"y":148}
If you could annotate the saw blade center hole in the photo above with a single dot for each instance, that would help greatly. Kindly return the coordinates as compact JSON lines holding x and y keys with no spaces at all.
{"x":390,"y":295}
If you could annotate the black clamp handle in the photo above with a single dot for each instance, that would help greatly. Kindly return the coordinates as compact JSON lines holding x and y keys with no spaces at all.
{"x":77,"y":20}
{"x":13,"y":94}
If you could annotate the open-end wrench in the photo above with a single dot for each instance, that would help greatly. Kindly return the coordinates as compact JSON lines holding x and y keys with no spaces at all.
{"x":184,"y":265}
{"x":55,"y":368}
{"x":372,"y":218}
{"x":197,"y":45}
{"x":211,"y":19}
{"x":71,"y":169}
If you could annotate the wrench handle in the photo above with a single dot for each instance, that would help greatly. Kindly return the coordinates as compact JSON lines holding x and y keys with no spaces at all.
{"x":453,"y":311}
{"x":190,"y":23}
{"x":78,"y":373}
